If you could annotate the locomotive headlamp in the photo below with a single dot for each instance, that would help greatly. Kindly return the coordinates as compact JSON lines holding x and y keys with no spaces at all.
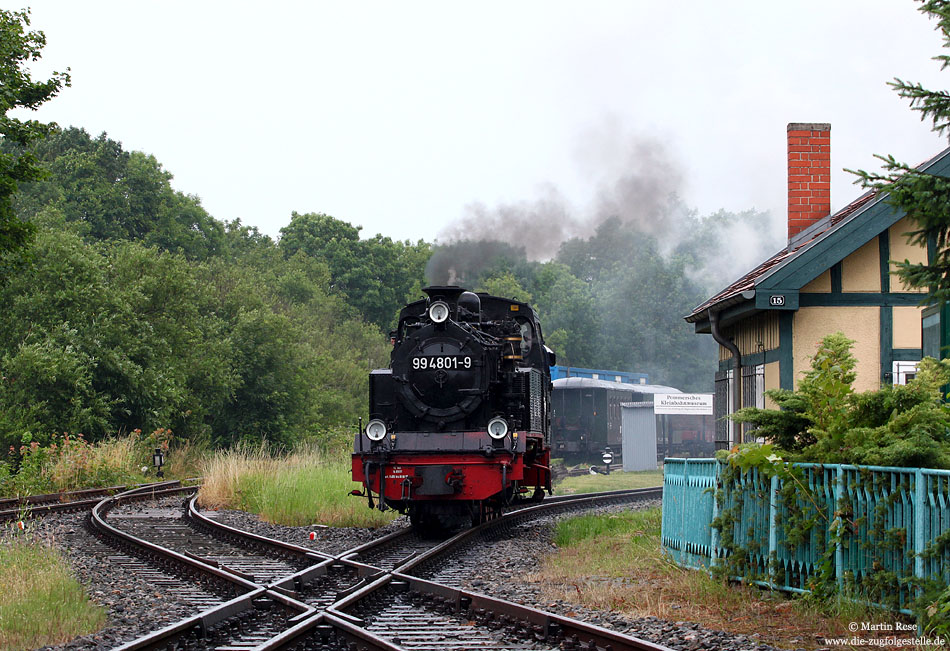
{"x":497,"y":428}
{"x":439,"y":311}
{"x":376,"y":430}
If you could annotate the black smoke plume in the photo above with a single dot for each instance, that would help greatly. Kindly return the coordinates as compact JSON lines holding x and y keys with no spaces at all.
{"x":635,"y":178}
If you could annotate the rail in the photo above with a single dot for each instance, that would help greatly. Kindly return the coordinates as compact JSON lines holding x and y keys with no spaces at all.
{"x":338,"y":624}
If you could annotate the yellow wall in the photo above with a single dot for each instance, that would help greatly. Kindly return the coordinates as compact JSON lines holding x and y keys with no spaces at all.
{"x":907,"y":327}
{"x":861,"y":271}
{"x":772,"y":381}
{"x":820,"y":285}
{"x":901,"y":250}
{"x":862,"y":324}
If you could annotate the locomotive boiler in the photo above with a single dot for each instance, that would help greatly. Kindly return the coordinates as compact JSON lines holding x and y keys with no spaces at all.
{"x":459,"y":422}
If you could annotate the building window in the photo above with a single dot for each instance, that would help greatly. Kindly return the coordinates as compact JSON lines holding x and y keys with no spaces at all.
{"x":722,"y":405}
{"x":753,"y":395}
{"x":903,"y":372}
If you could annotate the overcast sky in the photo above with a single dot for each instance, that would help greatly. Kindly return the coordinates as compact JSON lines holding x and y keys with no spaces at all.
{"x":400,"y":117}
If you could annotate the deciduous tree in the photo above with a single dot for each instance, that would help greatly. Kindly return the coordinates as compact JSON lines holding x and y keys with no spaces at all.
{"x":18,"y":49}
{"x":377,"y":275}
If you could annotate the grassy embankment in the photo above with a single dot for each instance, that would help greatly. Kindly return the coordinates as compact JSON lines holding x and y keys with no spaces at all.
{"x":305,"y":487}
{"x":41,"y":603}
{"x":612,"y":482}
{"x":69,"y":462}
{"x":625,"y":570}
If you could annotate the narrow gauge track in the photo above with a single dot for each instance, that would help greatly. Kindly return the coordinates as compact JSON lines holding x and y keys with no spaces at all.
{"x":403,"y":548}
{"x":233,"y":569}
{"x":423,"y":615}
{"x":450,"y":563}
{"x":344,"y":602}
{"x":12,"y":508}
{"x":253,"y":559}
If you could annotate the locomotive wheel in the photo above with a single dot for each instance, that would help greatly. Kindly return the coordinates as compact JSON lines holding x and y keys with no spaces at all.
{"x":484,"y":511}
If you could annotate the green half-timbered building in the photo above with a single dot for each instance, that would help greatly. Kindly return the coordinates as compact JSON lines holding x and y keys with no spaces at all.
{"x":834,"y":274}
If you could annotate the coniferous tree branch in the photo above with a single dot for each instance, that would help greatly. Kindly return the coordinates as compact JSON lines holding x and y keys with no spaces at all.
{"x":923,"y":197}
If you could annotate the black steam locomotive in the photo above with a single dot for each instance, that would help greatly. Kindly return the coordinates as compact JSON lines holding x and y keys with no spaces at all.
{"x":459,"y":422}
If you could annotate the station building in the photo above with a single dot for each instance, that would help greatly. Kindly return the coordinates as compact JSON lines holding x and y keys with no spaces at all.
{"x":835,"y":274}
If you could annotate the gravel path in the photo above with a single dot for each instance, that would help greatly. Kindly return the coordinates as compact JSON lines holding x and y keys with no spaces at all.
{"x":135,"y":607}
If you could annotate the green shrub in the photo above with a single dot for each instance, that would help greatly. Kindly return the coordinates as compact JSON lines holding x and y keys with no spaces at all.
{"x":824,"y":421}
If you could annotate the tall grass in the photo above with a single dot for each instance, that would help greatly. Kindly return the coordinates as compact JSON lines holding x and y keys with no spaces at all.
{"x":112,"y":461}
{"x":40,"y":602}
{"x":308,"y":486}
{"x":185,"y":459}
{"x":70,"y":462}
{"x":615,"y":562}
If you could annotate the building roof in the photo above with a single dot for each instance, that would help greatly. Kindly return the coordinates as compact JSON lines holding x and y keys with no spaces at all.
{"x":590,"y":383}
{"x":808,"y":254}
{"x":628,"y":377}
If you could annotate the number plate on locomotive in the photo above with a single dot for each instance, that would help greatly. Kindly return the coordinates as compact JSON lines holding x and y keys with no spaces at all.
{"x":445,"y":362}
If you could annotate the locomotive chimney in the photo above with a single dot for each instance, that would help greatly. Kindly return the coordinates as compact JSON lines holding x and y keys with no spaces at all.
{"x":448,"y":293}
{"x":809,"y":174}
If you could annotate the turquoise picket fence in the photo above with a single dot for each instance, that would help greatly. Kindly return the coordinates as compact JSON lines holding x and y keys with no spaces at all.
{"x":893,"y":518}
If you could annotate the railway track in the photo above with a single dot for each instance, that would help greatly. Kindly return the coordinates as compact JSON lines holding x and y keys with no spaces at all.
{"x":381,"y":595}
{"x":13,"y":508}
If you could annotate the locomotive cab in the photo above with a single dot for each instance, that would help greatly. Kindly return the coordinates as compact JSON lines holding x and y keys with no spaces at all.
{"x":459,"y":421}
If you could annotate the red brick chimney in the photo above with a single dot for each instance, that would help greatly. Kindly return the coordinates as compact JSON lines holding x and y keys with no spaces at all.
{"x":809,"y":174}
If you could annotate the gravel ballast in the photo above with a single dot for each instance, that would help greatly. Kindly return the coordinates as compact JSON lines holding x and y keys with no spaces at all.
{"x":135,"y":607}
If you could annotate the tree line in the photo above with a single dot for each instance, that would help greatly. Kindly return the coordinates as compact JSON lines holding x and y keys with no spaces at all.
{"x":137,"y":309}
{"x":127,"y":306}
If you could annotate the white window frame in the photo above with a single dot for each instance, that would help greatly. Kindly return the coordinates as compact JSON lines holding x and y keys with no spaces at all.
{"x":731,"y":425}
{"x":759,"y":389}
{"x":902,"y":371}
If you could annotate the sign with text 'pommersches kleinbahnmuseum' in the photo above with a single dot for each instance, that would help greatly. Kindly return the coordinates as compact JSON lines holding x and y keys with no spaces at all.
{"x":699,"y":404}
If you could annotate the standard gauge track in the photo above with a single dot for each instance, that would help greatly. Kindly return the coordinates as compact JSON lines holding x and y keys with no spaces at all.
{"x":255,"y":558}
{"x":12,"y":503}
{"x":242,"y":623}
{"x":174,"y":571}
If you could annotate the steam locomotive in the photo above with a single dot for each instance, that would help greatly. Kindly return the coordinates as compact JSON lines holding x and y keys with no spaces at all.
{"x":459,"y":422}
